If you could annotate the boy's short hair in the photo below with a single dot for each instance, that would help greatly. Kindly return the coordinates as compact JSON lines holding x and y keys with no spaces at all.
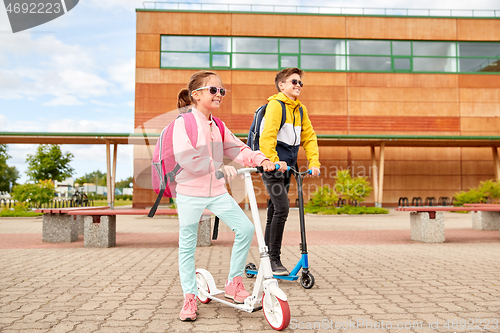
{"x":285,"y":74}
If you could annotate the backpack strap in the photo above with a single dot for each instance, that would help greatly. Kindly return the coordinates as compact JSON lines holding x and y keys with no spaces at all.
{"x":283,"y":113}
{"x":192,"y":133}
{"x":220,"y":125}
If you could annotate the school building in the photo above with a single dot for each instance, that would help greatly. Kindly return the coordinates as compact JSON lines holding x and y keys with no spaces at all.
{"x":411,"y":101}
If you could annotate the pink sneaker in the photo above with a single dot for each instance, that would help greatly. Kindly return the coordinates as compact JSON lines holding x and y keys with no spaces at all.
{"x":235,"y":290}
{"x":188,"y":312}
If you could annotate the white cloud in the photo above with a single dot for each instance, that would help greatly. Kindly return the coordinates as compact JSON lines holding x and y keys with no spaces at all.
{"x":123,"y":72}
{"x":115,"y":125}
{"x":63,"y":100}
{"x":4,"y":123}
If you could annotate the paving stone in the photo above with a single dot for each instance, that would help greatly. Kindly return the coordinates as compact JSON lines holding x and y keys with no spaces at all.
{"x":134,"y":287}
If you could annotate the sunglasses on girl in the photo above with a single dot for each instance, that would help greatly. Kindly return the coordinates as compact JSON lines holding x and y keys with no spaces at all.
{"x":295,"y":82}
{"x":213,"y":90}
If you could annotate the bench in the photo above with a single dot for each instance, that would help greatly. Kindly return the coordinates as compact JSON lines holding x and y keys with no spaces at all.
{"x":427,"y":222}
{"x":99,"y":224}
{"x":483,"y":219}
{"x":59,"y":227}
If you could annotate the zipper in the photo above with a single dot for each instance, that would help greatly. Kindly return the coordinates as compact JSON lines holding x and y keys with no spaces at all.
{"x":212,"y":151}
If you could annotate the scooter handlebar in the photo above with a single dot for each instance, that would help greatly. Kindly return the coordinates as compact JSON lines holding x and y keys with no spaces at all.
{"x":258,"y":169}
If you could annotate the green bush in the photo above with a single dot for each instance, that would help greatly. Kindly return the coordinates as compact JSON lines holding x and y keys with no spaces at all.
{"x":34,"y":194}
{"x":485,"y":191}
{"x":351,"y":189}
{"x":20,"y":210}
{"x":123,"y":197}
{"x":350,"y":210}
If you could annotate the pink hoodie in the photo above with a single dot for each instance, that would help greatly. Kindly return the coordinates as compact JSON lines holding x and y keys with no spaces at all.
{"x":199,"y":164}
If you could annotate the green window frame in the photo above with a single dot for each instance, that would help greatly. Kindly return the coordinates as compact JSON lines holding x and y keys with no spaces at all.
{"x":441,"y":57}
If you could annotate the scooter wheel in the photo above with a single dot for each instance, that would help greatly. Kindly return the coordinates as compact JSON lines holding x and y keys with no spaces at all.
{"x":202,"y":284}
{"x":250,"y":266}
{"x":307,"y":280}
{"x":277,"y":312}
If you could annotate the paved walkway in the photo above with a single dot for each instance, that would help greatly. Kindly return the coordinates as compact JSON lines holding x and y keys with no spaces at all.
{"x":369,"y":277}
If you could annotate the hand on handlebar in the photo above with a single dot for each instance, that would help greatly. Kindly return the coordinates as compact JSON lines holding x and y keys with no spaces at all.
{"x":314,"y":172}
{"x":282,"y":166}
{"x":229,"y":172}
{"x":267,"y":165}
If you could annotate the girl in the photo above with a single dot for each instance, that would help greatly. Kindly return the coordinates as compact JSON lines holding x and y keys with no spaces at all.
{"x":197,"y":187}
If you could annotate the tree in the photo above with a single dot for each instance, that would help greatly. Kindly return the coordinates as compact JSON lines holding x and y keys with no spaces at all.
{"x":49,"y":162}
{"x":92,"y":178}
{"x":125,"y":183}
{"x":36,"y":194}
{"x":8,"y":174}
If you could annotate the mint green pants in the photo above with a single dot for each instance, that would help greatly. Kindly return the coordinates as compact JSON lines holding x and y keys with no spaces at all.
{"x":190,"y":210}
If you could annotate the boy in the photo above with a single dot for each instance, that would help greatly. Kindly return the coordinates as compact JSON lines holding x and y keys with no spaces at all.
{"x":282,"y":145}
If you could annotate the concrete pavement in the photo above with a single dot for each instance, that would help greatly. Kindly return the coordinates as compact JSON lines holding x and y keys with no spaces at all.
{"x":370,"y":277}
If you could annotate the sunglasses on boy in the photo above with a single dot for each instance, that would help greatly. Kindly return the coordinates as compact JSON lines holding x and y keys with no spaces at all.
{"x":213,"y":90}
{"x":295,"y":82}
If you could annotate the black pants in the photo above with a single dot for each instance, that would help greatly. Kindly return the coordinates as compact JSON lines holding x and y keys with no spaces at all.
{"x":277,"y":185}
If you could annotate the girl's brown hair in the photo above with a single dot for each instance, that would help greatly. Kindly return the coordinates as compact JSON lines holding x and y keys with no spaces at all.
{"x":198,"y":80}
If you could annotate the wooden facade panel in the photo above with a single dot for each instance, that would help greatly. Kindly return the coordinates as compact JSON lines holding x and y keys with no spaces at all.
{"x":478,"y":29}
{"x":480,"y":95}
{"x":144,"y":151}
{"x":332,"y":108}
{"x":401,"y":28}
{"x":402,"y":132}
{"x":178,"y":23}
{"x":469,"y":181}
{"x":159,"y":91}
{"x":479,"y":81}
{"x":157,"y":75}
{"x":403,"y":94}
{"x":411,"y":183}
{"x":147,"y":59}
{"x":324,"y":79}
{"x":488,"y":125}
{"x":323,"y":93}
{"x":154,"y":106}
{"x":288,"y":25}
{"x":477,"y":154}
{"x":402,"y":80}
{"x":252,"y":91}
{"x":148,"y":42}
{"x":479,"y":109}
{"x":423,"y":168}
{"x":478,"y":168}
{"x":327,"y":153}
{"x":246,"y":106}
{"x":253,"y":77}
{"x":422,"y":154}
{"x":408,"y":125}
{"x":414,"y":109}
{"x":331,"y":123}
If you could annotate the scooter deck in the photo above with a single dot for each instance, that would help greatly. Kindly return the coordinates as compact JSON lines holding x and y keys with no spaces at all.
{"x":219,"y":296}
{"x":281,"y":277}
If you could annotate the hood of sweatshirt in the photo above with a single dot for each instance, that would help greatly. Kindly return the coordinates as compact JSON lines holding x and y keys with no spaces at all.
{"x":285,"y":99}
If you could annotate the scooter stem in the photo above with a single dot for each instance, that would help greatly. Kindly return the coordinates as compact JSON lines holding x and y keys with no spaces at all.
{"x":255,"y":212}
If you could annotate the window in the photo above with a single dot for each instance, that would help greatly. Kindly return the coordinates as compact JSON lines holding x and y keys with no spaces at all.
{"x":329,"y":55}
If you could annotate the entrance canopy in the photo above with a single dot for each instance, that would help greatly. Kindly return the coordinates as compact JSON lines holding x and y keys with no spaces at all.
{"x":371,"y":141}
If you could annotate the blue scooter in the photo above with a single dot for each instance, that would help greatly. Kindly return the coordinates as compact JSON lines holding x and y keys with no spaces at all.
{"x":306,"y":278}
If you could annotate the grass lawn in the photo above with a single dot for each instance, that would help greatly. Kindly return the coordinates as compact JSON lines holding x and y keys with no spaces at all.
{"x":117,"y":203}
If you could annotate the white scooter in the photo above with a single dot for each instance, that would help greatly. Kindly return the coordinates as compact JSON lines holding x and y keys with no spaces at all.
{"x":266,"y":294}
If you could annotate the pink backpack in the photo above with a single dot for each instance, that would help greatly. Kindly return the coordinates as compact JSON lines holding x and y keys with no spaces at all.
{"x":164,"y":168}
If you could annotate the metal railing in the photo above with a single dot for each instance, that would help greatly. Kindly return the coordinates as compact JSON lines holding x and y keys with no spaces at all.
{"x":197,"y":6}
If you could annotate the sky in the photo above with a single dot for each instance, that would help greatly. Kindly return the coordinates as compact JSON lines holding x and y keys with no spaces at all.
{"x":77,"y":73}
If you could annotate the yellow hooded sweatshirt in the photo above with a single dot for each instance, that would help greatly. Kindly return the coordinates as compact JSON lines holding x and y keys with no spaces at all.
{"x":283,"y":145}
